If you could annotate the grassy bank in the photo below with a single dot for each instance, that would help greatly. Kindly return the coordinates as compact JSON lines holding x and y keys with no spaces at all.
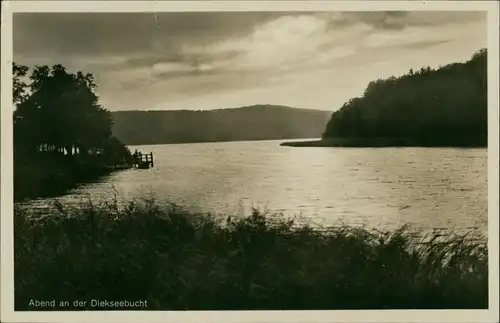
{"x":50,"y":177}
{"x":387,"y":142}
{"x":176,"y":260}
{"x":49,"y":174}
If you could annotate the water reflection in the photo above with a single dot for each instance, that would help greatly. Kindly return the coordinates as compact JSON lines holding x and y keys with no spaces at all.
{"x":382,"y":188}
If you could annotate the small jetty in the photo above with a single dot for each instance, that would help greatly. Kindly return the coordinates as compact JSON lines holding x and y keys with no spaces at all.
{"x":143,"y":161}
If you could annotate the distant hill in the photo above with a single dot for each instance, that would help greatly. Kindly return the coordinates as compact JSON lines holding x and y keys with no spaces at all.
{"x":429,"y":107}
{"x":258,"y":122}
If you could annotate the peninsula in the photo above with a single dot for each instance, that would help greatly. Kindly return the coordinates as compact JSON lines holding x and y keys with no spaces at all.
{"x":444,"y":107}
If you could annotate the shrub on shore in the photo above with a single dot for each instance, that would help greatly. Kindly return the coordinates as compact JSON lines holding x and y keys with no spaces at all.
{"x":176,"y":260}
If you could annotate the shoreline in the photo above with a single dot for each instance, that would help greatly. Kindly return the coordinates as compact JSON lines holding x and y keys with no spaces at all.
{"x":379,"y":143}
{"x":54,"y":182}
{"x":213,"y":141}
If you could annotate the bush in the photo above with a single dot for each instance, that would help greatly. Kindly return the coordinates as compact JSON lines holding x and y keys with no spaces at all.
{"x":177,"y":260}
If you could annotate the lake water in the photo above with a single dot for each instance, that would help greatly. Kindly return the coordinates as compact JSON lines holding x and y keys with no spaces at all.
{"x":428,"y":188}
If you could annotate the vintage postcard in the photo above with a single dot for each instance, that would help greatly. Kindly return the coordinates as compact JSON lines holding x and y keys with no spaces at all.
{"x":249,"y":161}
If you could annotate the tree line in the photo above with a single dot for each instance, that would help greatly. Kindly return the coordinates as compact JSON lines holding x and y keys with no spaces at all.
{"x":60,"y":129}
{"x":445,"y":106}
{"x":257,"y":122}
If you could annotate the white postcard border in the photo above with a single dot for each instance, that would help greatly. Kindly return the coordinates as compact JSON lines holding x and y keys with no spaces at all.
{"x":7,"y":268}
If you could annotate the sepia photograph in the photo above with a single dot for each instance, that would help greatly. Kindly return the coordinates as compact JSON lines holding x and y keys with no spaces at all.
{"x":233,"y":158}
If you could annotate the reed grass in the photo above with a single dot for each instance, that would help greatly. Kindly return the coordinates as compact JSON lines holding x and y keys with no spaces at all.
{"x":177,"y":260}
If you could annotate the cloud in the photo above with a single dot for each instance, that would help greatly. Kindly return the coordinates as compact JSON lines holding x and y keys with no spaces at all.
{"x":116,"y":33}
{"x":285,"y":40}
{"x":397,"y":20}
{"x":240,"y":55}
{"x":424,"y":44}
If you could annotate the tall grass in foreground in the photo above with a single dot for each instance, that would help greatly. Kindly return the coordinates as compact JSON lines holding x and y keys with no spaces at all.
{"x":181,"y":261}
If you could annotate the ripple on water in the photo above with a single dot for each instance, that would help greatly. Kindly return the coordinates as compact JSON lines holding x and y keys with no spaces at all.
{"x":381,"y":188}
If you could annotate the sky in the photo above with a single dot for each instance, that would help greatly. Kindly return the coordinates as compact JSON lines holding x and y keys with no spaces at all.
{"x":200,"y":61}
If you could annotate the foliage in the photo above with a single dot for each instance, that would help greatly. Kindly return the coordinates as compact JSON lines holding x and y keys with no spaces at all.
{"x":443,"y":106}
{"x":19,"y":86}
{"x":62,"y":111}
{"x":59,"y":127}
{"x":176,"y":260}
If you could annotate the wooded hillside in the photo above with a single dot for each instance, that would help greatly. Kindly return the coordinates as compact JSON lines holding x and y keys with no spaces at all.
{"x":258,"y":122}
{"x":444,"y":106}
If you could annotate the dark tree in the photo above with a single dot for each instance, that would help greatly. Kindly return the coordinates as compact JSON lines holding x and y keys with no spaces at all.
{"x":62,"y":113}
{"x":443,"y":106}
{"x":60,"y":128}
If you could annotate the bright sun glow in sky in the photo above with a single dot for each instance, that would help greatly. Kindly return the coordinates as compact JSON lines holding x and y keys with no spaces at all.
{"x":225,"y":60}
